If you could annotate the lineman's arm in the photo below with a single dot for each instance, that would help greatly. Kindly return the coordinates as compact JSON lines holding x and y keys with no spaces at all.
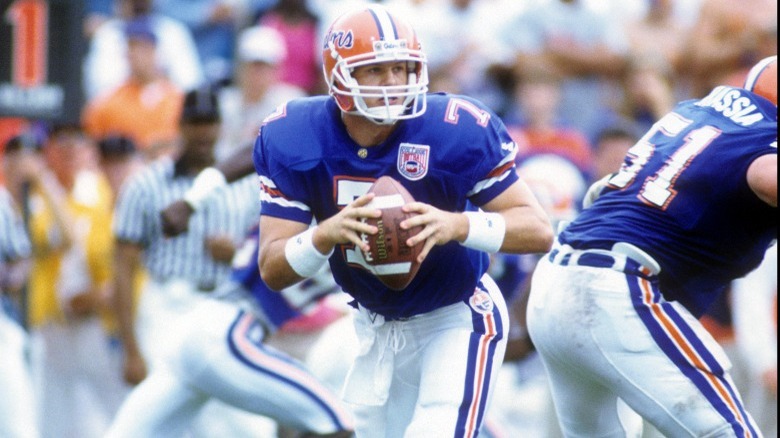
{"x":291,"y":251}
{"x":176,"y":216}
{"x":127,"y":261}
{"x":762,"y":178}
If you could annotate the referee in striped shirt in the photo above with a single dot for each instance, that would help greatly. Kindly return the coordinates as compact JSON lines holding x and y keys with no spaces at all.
{"x":181,"y":270}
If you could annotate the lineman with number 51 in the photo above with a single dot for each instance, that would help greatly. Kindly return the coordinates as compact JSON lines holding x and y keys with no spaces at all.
{"x":613,"y":306}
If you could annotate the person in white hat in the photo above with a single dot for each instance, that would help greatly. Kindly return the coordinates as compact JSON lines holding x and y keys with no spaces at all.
{"x":257,"y":90}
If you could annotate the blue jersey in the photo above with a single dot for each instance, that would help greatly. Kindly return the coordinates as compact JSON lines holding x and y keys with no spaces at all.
{"x":456,"y":156}
{"x":682,"y":196}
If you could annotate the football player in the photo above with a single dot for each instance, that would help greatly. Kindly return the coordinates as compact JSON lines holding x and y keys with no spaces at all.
{"x":430,"y":352}
{"x":613,"y":306}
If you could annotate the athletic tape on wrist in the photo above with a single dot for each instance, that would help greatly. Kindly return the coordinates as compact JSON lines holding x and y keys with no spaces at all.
{"x":486,"y":231}
{"x":302,"y":256}
{"x":208,"y":180}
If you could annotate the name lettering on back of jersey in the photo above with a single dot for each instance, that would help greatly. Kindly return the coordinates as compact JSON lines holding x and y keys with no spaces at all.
{"x":732,"y":104}
{"x":413,"y":160}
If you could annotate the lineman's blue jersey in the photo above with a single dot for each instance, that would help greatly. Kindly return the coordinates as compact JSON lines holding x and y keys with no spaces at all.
{"x":456,"y":156}
{"x":682,"y":196}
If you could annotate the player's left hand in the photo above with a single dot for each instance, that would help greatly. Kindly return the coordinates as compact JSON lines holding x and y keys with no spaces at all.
{"x":439,"y":226}
{"x":175,"y":218}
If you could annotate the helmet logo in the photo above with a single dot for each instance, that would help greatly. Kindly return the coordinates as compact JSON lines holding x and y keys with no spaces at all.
{"x":413,"y":160}
{"x":340,"y":39}
{"x":382,"y":46}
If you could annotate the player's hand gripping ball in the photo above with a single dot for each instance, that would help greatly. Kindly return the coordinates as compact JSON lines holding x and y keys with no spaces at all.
{"x":389,"y":257}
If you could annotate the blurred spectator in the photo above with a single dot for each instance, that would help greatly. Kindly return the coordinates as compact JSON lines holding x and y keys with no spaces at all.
{"x":298,"y":26}
{"x":213,"y":25}
{"x":537,"y":127}
{"x":10,"y":127}
{"x":728,"y":38}
{"x":754,"y":310}
{"x":610,"y":149}
{"x":659,"y":35}
{"x":258,"y":89}
{"x":119,"y":159}
{"x":459,"y":38}
{"x":106,"y":67}
{"x":97,"y":12}
{"x":329,"y":10}
{"x":647,"y":91}
{"x":583,"y":45}
{"x":146,"y":107}
{"x":33,"y":186}
{"x":69,"y":286}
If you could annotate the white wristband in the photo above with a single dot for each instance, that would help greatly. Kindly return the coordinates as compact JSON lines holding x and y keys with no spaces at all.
{"x":486,"y":231}
{"x":208,"y":180}
{"x":302,"y":256}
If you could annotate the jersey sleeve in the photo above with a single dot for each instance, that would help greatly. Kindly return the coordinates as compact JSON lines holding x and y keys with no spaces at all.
{"x":278,"y":184}
{"x":495,"y":170}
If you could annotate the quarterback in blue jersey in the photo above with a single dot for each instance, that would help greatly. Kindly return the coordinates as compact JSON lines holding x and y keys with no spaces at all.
{"x":613,"y":306}
{"x":430,"y":352}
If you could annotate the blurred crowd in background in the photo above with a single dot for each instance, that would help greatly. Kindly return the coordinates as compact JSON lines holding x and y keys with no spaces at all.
{"x":577,"y":82}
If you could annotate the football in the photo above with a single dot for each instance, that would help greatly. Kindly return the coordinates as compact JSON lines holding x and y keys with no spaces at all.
{"x":389,"y":257}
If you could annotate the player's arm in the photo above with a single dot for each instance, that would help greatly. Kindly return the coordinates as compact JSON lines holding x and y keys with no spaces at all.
{"x":512,"y":222}
{"x":176,"y":216}
{"x":762,"y":178}
{"x":291,"y":251}
{"x":127,"y":261}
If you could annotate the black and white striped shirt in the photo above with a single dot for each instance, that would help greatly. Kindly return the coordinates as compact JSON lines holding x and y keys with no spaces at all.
{"x":230,"y":212}
{"x":14,"y":241}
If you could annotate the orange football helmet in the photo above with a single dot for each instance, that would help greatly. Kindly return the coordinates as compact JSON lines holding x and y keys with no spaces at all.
{"x":371,"y":36}
{"x":762,"y":79}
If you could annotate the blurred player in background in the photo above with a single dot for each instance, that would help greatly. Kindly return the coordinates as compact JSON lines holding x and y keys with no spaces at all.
{"x":613,"y":306}
{"x":223,"y":355}
{"x":429,"y":354}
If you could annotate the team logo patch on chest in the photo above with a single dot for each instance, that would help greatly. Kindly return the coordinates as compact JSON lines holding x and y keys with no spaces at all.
{"x":481,"y":302}
{"x":413,"y":160}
